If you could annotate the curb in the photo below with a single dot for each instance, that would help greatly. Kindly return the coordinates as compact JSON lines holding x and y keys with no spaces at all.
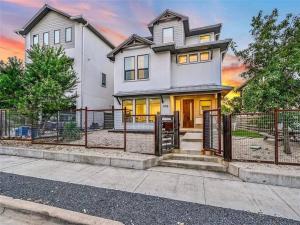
{"x":130,"y":163}
{"x":61,"y":215}
{"x":257,"y":176}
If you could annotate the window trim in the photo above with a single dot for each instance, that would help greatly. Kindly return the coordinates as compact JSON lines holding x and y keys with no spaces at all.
{"x":103,"y":75}
{"x":38,"y":39}
{"x":44,"y":38}
{"x":186,"y":59}
{"x":209,"y":56}
{"x":137,"y":67}
{"x":129,"y":70}
{"x":58,"y":37}
{"x":66,"y":34}
{"x":165,"y":28}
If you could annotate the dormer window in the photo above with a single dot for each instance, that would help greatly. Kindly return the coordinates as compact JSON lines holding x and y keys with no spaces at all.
{"x":168,"y":35}
{"x":205,"y":38}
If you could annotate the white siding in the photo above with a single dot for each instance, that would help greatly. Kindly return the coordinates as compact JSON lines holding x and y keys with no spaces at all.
{"x":159,"y":71}
{"x":178,"y":32}
{"x":53,"y":21}
{"x":95,"y":63}
{"x":197,"y":73}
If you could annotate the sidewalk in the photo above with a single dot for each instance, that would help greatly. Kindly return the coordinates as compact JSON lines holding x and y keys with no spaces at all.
{"x":209,"y":188}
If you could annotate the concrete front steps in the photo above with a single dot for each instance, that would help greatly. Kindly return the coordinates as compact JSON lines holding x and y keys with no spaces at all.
{"x":198,"y":162}
{"x":192,"y":137}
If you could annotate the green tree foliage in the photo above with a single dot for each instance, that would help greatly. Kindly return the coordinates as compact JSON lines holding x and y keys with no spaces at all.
{"x":273,"y":62}
{"x":232,"y":105}
{"x":11,"y":76}
{"x":49,"y":82}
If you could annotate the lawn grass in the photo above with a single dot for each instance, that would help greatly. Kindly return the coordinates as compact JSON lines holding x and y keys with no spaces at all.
{"x":246,"y":133}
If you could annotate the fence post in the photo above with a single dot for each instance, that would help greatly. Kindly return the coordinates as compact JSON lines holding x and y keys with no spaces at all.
{"x":219,"y":132}
{"x":9,"y":124}
{"x":158,"y":151}
{"x":57,"y":126}
{"x":125,"y":127}
{"x":203,"y":130}
{"x":1,"y":127}
{"x":276,"y":134}
{"x":176,"y":130}
{"x":227,"y":138}
{"x":85,"y":127}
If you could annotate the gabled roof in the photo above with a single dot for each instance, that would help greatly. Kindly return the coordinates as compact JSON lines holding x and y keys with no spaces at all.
{"x":169,"y":15}
{"x":133,"y":40}
{"x":46,"y":9}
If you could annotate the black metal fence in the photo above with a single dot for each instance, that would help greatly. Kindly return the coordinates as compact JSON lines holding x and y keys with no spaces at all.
{"x":212,"y":131}
{"x":271,"y":137}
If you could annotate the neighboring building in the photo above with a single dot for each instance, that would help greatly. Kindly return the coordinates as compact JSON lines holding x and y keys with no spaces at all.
{"x":176,"y":69}
{"x":84,"y":44}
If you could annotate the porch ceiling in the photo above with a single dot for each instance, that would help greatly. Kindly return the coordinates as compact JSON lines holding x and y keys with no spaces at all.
{"x":177,"y":90}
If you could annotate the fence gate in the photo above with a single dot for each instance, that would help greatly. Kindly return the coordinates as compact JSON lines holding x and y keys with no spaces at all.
{"x":212,"y":131}
{"x":166,"y":133}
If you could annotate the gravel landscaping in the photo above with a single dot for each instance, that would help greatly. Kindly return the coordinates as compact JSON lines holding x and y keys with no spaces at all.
{"x":246,"y":148}
{"x":129,"y":208}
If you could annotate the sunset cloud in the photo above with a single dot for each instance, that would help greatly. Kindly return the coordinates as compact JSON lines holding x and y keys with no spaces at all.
{"x":11,"y":47}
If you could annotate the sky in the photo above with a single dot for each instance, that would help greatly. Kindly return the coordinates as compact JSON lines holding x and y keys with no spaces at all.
{"x":118,"y":19}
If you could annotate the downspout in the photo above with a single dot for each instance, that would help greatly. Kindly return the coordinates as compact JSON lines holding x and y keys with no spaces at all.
{"x":82,"y":64}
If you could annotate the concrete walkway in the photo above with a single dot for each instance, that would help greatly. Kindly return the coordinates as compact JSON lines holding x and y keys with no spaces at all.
{"x":210,"y":188}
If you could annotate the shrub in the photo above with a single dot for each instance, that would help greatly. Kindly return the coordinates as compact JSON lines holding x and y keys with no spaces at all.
{"x":71,"y":132}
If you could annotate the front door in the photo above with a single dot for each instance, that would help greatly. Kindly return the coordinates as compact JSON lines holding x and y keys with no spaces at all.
{"x":188,"y":113}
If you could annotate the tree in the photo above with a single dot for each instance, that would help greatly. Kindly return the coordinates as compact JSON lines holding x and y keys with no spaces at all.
{"x":232,"y":105}
{"x":273,"y":62}
{"x":49,"y":83}
{"x":11,"y":76}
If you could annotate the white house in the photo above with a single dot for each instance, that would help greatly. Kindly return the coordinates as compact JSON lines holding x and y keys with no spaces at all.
{"x":175,"y":69}
{"x":82,"y":42}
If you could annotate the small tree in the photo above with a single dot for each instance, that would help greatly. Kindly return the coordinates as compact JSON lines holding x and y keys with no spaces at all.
{"x":49,"y":82}
{"x":273,"y":62}
{"x":11,"y":76}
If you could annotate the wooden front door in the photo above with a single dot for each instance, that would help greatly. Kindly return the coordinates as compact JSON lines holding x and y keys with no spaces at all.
{"x":188,"y":113}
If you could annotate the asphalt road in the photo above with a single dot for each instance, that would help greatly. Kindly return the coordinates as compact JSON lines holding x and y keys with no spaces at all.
{"x":129,"y":208}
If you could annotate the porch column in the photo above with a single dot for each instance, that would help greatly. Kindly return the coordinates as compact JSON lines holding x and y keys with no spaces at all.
{"x":219,"y":98}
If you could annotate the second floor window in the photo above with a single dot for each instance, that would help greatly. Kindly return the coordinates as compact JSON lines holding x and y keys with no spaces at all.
{"x":143,"y":67}
{"x":129,"y":67}
{"x":35,"y":39}
{"x":56,"y":36}
{"x":182,"y":59}
{"x":168,"y":35}
{"x":69,"y":34}
{"x":204,"y":56}
{"x":46,"y":38}
{"x":205,"y":38}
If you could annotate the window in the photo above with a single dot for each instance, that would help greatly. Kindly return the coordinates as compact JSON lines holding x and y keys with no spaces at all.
{"x":168,"y":35}
{"x":56,"y":36}
{"x":182,"y":59}
{"x":154,"y":108}
{"x":129,"y":107}
{"x":35,"y":39}
{"x":204,"y":56}
{"x":205,"y":105}
{"x":46,"y":38}
{"x":193,"y":58}
{"x":205,"y":38}
{"x":103,"y":80}
{"x":68,"y":34}
{"x":140,"y":110}
{"x":143,"y":67}
{"x":129,"y":67}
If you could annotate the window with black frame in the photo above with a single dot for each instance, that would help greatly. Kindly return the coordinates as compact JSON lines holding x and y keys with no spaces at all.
{"x":143,"y":67}
{"x":129,"y":67}
{"x":103,"y":80}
